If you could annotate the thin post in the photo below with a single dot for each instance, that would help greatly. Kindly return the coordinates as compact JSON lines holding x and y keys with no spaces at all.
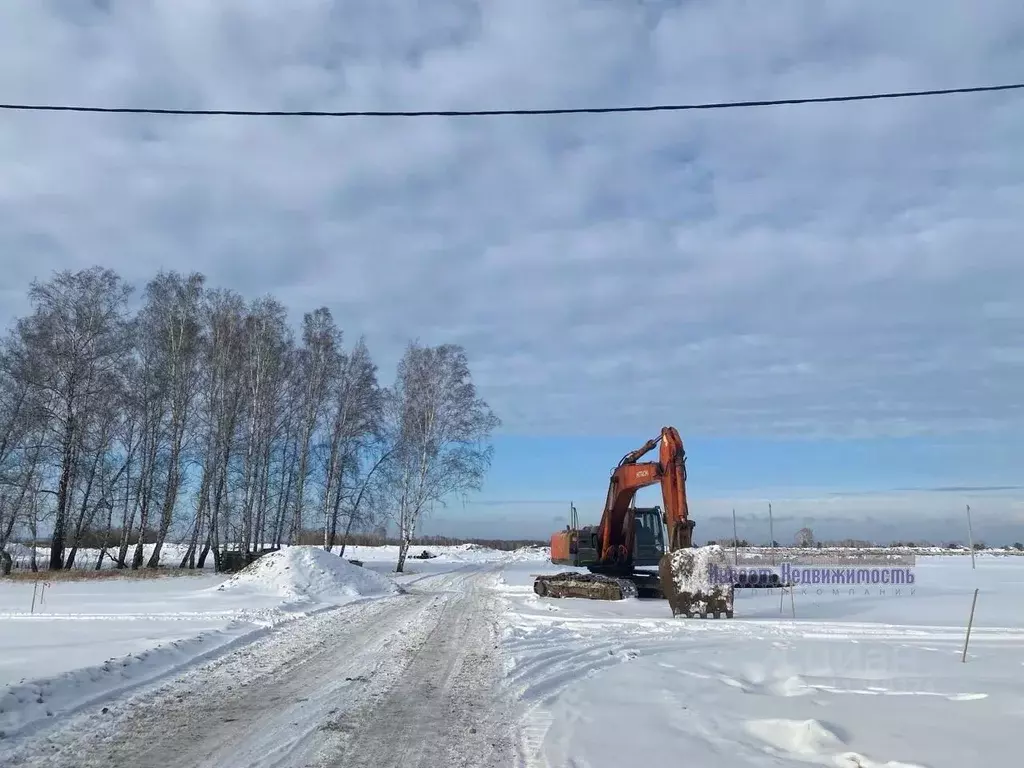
{"x":771,"y":532}
{"x":970,"y":621}
{"x":792,"y":601}
{"x":970,"y":536}
{"x":35,"y":589}
{"x":735,"y":541}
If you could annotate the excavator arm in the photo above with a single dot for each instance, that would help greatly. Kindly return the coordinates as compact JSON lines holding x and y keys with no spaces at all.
{"x":617,"y":520}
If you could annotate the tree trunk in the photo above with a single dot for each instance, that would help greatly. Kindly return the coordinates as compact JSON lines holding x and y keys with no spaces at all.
{"x":201,"y":561}
{"x":63,"y":498}
{"x":348,"y":530}
{"x":170,"y":496}
{"x":403,"y":550}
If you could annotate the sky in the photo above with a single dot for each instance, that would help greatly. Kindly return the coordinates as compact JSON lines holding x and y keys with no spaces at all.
{"x":824,"y":299}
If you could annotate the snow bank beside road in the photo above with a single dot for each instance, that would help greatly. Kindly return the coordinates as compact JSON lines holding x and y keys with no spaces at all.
{"x":78,"y":624}
{"x":311,"y":575}
{"x":28,"y":704}
{"x":87,"y":642}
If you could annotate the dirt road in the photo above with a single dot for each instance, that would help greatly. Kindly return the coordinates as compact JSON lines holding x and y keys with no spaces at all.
{"x":410,"y":680}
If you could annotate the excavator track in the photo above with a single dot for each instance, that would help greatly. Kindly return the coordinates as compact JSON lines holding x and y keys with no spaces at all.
{"x":687,"y":578}
{"x":592,"y":586}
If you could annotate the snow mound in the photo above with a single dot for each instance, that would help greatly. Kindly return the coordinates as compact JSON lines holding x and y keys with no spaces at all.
{"x":698,"y":569}
{"x":813,"y":740}
{"x":529,"y":554}
{"x":801,"y":737}
{"x":310,"y":574}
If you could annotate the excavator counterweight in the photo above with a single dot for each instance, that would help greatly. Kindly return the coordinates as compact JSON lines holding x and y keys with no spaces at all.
{"x":629,"y":539}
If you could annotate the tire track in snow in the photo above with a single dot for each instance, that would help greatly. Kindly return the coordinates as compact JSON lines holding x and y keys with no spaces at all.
{"x":256,"y":699}
{"x":547,"y":662}
{"x":446,"y":709}
{"x":534,"y":727}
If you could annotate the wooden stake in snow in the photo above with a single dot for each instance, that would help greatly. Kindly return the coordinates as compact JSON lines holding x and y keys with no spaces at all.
{"x":771,"y":532}
{"x":35,"y":589}
{"x":782,"y":598}
{"x":970,"y":536}
{"x":970,"y":621}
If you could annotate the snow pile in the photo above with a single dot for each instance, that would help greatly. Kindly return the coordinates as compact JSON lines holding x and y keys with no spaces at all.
{"x":813,"y":740}
{"x":309,"y":574}
{"x":800,"y":737}
{"x":530,"y":554}
{"x":694,"y":570}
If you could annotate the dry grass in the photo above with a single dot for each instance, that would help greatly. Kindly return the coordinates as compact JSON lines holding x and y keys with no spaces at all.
{"x":107,"y":574}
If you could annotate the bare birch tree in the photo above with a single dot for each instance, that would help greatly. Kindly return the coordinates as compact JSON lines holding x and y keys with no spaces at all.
{"x":75,"y":342}
{"x":355,"y":430}
{"x":21,"y":442}
{"x":319,"y":366}
{"x":441,"y":431}
{"x":221,"y":410}
{"x":171,"y":320}
{"x":267,"y":361}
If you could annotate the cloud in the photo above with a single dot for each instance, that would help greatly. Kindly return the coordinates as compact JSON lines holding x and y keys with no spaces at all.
{"x":821,"y":270}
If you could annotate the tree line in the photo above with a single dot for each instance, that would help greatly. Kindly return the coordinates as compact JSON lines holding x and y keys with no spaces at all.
{"x":205,"y":419}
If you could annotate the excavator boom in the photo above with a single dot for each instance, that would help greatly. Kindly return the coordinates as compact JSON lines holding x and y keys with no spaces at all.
{"x":609,"y":550}
{"x":629,"y":477}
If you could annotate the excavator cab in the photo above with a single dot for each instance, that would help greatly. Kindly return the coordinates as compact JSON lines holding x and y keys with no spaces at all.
{"x":648,"y":536}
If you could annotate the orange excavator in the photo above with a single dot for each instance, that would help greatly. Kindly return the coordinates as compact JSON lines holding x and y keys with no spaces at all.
{"x":629,"y":538}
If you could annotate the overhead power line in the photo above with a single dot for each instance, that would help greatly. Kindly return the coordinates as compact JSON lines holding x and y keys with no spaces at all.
{"x":499,"y":112}
{"x":509,"y":502}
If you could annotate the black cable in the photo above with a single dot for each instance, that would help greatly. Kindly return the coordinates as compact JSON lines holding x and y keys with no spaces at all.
{"x":499,"y":112}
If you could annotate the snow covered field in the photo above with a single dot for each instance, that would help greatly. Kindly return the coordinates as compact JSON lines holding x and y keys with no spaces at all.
{"x":864,"y":679}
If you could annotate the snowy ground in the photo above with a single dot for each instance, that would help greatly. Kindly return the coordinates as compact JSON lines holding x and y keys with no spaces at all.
{"x":865,"y":680}
{"x":84,"y":642}
{"x":312,"y":690}
{"x":81,"y":624}
{"x":310,"y":662}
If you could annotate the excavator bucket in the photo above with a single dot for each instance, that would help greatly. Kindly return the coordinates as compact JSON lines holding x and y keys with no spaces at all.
{"x":691,"y":581}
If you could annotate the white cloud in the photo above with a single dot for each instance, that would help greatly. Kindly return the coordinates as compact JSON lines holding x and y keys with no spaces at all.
{"x":818,"y":269}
